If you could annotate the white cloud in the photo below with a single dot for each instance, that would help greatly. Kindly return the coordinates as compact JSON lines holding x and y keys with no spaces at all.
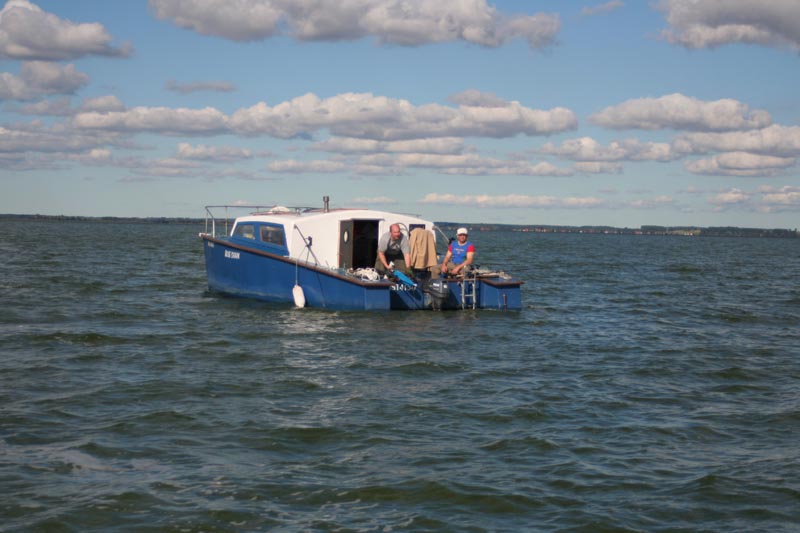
{"x":730,"y":197}
{"x":598,"y":167}
{"x":602,"y":8}
{"x":711,"y":23}
{"x":28,"y":33}
{"x":746,"y":161}
{"x":374,"y":200}
{"x":741,"y":164}
{"x":293,"y":166}
{"x":35,"y":138}
{"x":407,"y":23}
{"x":784,"y":199}
{"x":199,"y":86}
{"x":349,"y":145}
{"x":462,"y":164}
{"x":13,"y":87}
{"x":390,"y":164}
{"x":539,"y":30}
{"x":366,"y":116}
{"x":446,"y":161}
{"x":512,"y":201}
{"x":475,"y":98}
{"x":356,"y":115}
{"x":165,"y":120}
{"x":775,"y":140}
{"x":586,"y":149}
{"x":52,"y":78}
{"x":102,"y":104}
{"x":651,"y":203}
{"x":40,"y":78}
{"x":676,"y":111}
{"x":60,"y":107}
{"x":96,"y":156}
{"x":202,"y":152}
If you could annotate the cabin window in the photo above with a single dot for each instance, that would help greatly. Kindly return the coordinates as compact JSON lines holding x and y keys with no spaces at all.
{"x":273,"y":235}
{"x":246,"y":231}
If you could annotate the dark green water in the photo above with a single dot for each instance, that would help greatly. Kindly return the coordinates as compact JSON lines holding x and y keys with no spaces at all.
{"x":649,"y":384}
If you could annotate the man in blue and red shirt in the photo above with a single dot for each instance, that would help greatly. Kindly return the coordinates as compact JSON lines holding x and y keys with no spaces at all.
{"x":459,"y":254}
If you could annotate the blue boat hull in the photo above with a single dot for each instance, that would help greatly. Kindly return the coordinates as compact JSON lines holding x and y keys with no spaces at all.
{"x":489,"y":293}
{"x":247,"y":272}
{"x":251,"y":273}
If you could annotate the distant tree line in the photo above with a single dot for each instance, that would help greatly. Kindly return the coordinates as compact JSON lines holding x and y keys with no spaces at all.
{"x":451,"y":227}
{"x":692,"y":231}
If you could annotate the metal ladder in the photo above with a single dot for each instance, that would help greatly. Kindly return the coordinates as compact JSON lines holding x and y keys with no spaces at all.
{"x":468,"y":292}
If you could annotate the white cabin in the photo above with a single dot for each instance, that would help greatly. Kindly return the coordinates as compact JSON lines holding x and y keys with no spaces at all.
{"x":334,"y":238}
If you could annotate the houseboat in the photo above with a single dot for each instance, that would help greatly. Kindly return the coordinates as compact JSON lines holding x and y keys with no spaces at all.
{"x":324,"y":257}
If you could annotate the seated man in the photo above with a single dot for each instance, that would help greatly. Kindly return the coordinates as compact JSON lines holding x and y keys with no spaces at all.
{"x":393,"y":246}
{"x":459,"y":255}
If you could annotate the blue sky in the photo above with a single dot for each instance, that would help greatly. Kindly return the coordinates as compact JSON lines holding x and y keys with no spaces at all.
{"x":621,"y":113}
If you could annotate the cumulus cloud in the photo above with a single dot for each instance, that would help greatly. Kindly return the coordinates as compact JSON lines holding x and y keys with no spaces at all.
{"x":598,"y":167}
{"x":512,"y":201}
{"x":40,"y":78}
{"x":36,"y":138}
{"x":94,"y":157}
{"x":730,"y":197}
{"x":164,"y":120}
{"x":354,"y":115}
{"x":785,"y":198}
{"x":102,"y":104}
{"x":406,"y":23}
{"x":60,"y":107}
{"x":775,"y":140}
{"x":602,"y":8}
{"x":363,"y":115}
{"x":740,"y":164}
{"x":52,"y":78}
{"x":513,"y":168}
{"x":651,"y":203}
{"x":397,"y":163}
{"x":13,"y":87}
{"x":202,"y":152}
{"x":446,"y":161}
{"x":475,"y":98}
{"x":293,"y":166}
{"x":586,"y":149}
{"x":676,"y":111}
{"x":199,"y":86}
{"x":712,"y":23}
{"x":374,"y":200}
{"x":28,"y":33}
{"x":462,"y":164}
{"x":63,"y":107}
{"x":539,"y":30}
{"x":348,"y":145}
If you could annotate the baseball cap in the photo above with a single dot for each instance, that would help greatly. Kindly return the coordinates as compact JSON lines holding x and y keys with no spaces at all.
{"x":462,"y":230}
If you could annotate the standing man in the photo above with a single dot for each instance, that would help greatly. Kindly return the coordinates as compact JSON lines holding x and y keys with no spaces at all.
{"x":393,"y":246}
{"x":459,"y":254}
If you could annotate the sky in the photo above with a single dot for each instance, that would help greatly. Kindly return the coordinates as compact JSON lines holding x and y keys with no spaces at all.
{"x":620,"y":113}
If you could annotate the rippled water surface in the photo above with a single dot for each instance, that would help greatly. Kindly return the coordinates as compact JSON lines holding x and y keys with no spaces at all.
{"x":649,"y":384}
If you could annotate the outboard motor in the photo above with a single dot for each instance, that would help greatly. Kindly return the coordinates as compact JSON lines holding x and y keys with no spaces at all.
{"x":438,"y":289}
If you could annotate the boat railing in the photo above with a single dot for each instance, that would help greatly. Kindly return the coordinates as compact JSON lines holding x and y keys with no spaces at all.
{"x":445,"y":240}
{"x":214,"y":217}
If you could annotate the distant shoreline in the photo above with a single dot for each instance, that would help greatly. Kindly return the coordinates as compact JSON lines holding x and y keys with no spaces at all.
{"x":689,"y":231}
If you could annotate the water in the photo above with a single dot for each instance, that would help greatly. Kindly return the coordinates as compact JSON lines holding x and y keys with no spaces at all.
{"x":649,"y":384}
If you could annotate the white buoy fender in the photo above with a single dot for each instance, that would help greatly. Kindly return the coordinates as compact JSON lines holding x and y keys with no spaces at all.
{"x":299,"y":296}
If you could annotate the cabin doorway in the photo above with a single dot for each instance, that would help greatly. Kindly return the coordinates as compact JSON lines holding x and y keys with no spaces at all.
{"x":358,"y":243}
